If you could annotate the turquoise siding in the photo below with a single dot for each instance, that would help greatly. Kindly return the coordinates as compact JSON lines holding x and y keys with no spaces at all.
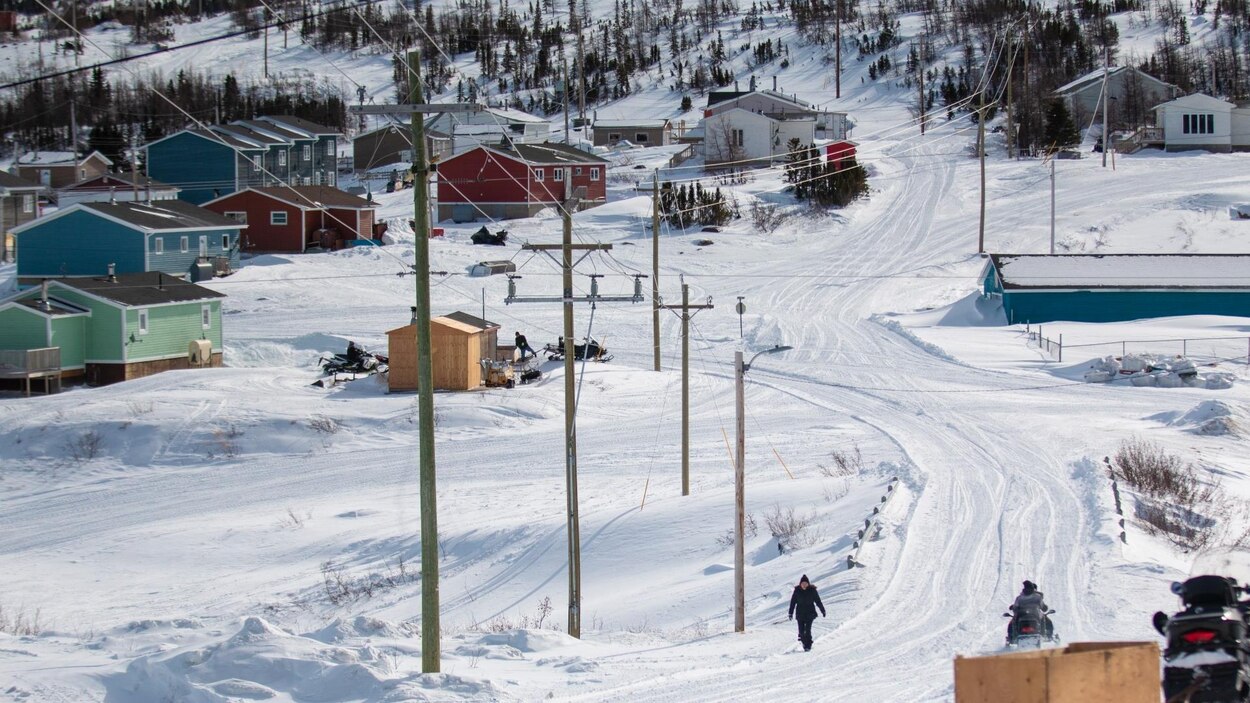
{"x":170,"y":329}
{"x":21,"y":328}
{"x":176,"y":262}
{"x":1117,"y":305}
{"x":70,"y":334}
{"x":103,"y":329}
{"x":202,"y":168}
{"x":78,"y":244}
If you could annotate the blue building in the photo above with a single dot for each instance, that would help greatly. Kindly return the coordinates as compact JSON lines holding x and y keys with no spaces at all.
{"x":1114,"y":287}
{"x":267,"y":151}
{"x":170,"y":236}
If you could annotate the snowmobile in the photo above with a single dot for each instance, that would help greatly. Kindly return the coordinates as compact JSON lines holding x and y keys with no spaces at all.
{"x":1029,"y":628}
{"x":591,"y":349}
{"x":355,"y":362}
{"x":1207,"y":656}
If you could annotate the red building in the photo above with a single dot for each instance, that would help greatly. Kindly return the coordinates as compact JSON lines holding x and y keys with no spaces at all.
{"x":517,"y":181}
{"x":293,"y":218}
{"x":840,"y":151}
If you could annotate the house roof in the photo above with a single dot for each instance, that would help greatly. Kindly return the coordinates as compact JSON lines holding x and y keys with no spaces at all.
{"x":109,"y":180}
{"x":300,"y":124}
{"x":229,"y":139}
{"x":444,"y":322}
{"x":1197,"y":100}
{"x":1121,"y":271}
{"x":1095,"y":76}
{"x":54,"y":308}
{"x":57,"y":158}
{"x":309,"y":197}
{"x":9,"y":182}
{"x":717,"y":97}
{"x":471,"y":320}
{"x":138,"y":289}
{"x":160,"y":214}
{"x":551,"y":153}
{"x":638,"y":123}
{"x":511,"y":115}
{"x":245,"y":132}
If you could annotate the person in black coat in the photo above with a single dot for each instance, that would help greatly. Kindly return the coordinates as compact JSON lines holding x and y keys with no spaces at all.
{"x":523,"y":346}
{"x":804,"y":602}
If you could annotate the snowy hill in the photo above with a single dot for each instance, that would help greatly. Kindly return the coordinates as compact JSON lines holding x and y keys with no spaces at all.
{"x":238,"y":534}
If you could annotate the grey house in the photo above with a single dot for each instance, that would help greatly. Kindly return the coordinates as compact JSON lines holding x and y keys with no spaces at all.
{"x":19,"y":204}
{"x":1132,"y":95}
{"x":391,"y":144}
{"x":642,"y":132}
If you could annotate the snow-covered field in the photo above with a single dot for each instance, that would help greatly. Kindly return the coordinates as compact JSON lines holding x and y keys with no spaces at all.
{"x":242,"y":535}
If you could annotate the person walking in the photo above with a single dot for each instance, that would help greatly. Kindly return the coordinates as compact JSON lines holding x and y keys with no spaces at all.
{"x":523,"y":345}
{"x":804,"y":603}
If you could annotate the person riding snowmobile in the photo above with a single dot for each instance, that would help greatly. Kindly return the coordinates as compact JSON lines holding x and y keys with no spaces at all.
{"x":1030,"y":603}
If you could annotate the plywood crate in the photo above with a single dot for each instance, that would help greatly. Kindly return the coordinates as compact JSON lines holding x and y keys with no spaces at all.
{"x":1084,"y":672}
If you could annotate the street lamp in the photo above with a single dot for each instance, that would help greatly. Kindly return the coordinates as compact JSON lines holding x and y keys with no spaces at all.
{"x":740,"y":369}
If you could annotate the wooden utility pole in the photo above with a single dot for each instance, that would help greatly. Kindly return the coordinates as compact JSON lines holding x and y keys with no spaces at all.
{"x":981,"y":154}
{"x":1052,"y":203}
{"x":1010,"y":131}
{"x":565,"y":70}
{"x":430,"y":645}
{"x":740,"y":616}
{"x":1106,"y":71}
{"x":581,"y":79}
{"x":655,"y":267}
{"x":266,"y":64}
{"x":920,"y":66}
{"x":685,"y":308}
{"x":837,"y":32}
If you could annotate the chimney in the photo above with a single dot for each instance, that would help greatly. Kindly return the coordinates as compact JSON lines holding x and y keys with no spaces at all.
{"x":414,"y":314}
{"x":112,"y":273}
{"x":43,"y":294}
{"x":736,"y":85}
{"x":112,"y":195}
{"x":148,"y":188}
{"x":160,"y":280}
{"x":774,"y":83}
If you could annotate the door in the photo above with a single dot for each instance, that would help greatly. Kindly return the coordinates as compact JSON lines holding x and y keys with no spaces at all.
{"x":45,"y":176}
{"x":203,"y":245}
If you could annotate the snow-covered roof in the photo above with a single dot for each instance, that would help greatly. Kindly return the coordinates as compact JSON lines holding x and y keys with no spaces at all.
{"x":512,"y":115}
{"x":624,"y":123}
{"x":1095,"y":76}
{"x":1197,"y":100}
{"x":1140,"y":271}
{"x":56,"y":158}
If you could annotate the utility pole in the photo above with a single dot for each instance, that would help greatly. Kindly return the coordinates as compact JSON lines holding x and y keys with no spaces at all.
{"x":685,"y":308}
{"x":920,"y":66}
{"x":1010,"y":135}
{"x":581,"y":79}
{"x":981,"y":154}
{"x":837,"y":32}
{"x":416,"y":110}
{"x":566,"y":101}
{"x":1106,"y":71}
{"x":655,"y":267}
{"x":73,"y":130}
{"x":266,"y":31}
{"x":1052,"y":204}
{"x":740,"y":451}
{"x":134,"y":167}
{"x":566,"y":247}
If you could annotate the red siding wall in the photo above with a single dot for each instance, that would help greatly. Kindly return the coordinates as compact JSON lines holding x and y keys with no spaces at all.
{"x":480,"y":176}
{"x":260,"y":235}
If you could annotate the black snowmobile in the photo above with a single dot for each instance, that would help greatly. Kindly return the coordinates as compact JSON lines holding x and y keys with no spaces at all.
{"x":1207,"y":657}
{"x":355,"y":362}
{"x":591,"y":350}
{"x":1030,"y":628}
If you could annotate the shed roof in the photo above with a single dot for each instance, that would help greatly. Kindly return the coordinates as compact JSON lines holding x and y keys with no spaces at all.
{"x":109,"y":180}
{"x":310,"y":197}
{"x":10,"y":182}
{"x":162,"y":214}
{"x":471,"y":320}
{"x":445,"y":323}
{"x":57,"y":158}
{"x":1122,"y":271}
{"x":137,"y":289}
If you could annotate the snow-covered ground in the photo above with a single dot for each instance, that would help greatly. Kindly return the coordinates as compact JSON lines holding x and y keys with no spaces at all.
{"x":242,"y":535}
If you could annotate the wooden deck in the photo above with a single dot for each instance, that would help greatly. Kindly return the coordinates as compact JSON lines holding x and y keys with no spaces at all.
{"x":29,"y":364}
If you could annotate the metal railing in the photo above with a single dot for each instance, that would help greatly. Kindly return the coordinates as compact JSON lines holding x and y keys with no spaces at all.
{"x":1196,"y":348}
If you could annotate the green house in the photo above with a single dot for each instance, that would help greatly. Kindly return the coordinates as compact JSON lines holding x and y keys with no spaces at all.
{"x":116,"y":328}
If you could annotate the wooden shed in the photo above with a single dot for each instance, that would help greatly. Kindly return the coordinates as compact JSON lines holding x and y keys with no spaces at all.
{"x":1084,"y":672}
{"x":456,"y":351}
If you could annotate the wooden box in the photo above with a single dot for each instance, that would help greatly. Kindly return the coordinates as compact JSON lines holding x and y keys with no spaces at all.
{"x":1085,"y":672}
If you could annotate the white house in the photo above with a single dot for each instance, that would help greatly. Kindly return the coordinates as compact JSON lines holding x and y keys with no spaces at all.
{"x":1202,"y":122}
{"x":758,"y":125}
{"x":113,"y":187}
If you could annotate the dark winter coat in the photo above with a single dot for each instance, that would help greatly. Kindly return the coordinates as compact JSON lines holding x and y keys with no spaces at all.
{"x":522,"y":342}
{"x":805,"y":602}
{"x":1030,"y":604}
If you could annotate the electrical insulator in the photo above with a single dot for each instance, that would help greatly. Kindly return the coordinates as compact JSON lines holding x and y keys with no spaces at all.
{"x":637,"y":287}
{"x":594,"y":286}
{"x":511,"y":288}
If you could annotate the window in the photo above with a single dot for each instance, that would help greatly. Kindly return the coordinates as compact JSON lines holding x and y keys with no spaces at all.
{"x":82,"y":174}
{"x":240,"y":217}
{"x":738,"y":137}
{"x":594,"y":174}
{"x":614,"y":136}
{"x":317,"y":178}
{"x":330,"y":148}
{"x":640,"y":137}
{"x":559,"y":174}
{"x":307,"y":181}
{"x":282,"y":158}
{"x":330,"y":178}
{"x":185,"y":244}
{"x":225,"y":242}
{"x":203,"y":245}
{"x":1198,"y":124}
{"x":307,"y":152}
{"x":143,"y":322}
{"x":277,"y":217}
{"x":159,"y":243}
{"x":539,"y":174}
{"x":206,"y":316}
{"x":256,"y":164}
{"x":28,"y":203}
{"x":577,"y":171}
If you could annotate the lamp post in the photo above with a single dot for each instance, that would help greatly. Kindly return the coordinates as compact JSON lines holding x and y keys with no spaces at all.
{"x":740,"y":369}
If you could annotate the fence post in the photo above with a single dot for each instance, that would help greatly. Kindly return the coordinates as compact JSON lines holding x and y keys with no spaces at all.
{"x":1061,"y":347}
{"x":1185,"y":347}
{"x":1123,"y":348}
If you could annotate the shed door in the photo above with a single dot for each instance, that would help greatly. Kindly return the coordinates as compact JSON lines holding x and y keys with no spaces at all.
{"x":203,"y":245}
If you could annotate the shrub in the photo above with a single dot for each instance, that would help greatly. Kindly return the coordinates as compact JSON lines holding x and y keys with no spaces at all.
{"x":792,"y":530}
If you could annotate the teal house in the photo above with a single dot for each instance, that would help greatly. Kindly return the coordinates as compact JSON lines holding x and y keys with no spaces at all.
{"x":115,"y":327}
{"x":1037,"y":288}
{"x":222,"y":159}
{"x":170,"y":236}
